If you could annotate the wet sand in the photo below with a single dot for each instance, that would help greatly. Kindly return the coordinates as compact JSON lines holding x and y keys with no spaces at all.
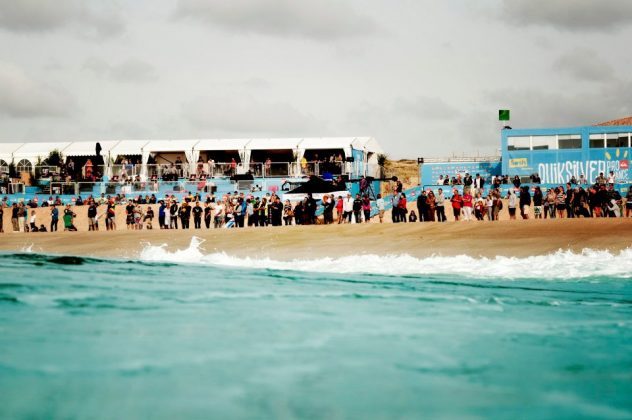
{"x":518,"y":238}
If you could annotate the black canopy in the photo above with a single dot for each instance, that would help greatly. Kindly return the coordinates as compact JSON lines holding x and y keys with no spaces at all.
{"x":315,"y":185}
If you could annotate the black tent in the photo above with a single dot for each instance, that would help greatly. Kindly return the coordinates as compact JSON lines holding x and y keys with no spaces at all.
{"x":315,"y":185}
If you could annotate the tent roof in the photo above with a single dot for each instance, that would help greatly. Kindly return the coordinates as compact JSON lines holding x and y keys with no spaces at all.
{"x":170,"y":145}
{"x":273,"y":144}
{"x":7,"y":149}
{"x":326,"y":143}
{"x":367,"y":142}
{"x":221,"y":144}
{"x":33,"y":150}
{"x":88,"y":148}
{"x":128,"y":147}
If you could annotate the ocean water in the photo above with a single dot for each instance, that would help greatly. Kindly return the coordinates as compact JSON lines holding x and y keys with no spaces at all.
{"x":188,"y":335}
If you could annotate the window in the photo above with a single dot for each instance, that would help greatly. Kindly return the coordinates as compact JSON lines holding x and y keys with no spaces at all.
{"x":24,"y":166}
{"x":518,"y":143}
{"x":544,"y":142}
{"x":596,"y":141}
{"x":572,"y":141}
{"x":617,"y":140}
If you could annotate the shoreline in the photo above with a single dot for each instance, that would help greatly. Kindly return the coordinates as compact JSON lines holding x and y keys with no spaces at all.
{"x":509,"y":238}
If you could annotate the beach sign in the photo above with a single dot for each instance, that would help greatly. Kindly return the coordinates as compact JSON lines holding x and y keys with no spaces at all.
{"x":503,"y":115}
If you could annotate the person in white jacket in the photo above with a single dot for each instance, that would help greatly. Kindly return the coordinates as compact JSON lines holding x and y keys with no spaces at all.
{"x":347,"y":208}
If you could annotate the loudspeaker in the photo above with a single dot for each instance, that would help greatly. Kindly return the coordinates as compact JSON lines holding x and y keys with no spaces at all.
{"x":349,"y":159}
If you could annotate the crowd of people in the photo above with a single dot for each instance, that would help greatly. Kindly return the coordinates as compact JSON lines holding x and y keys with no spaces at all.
{"x":240,"y":209}
{"x":559,"y":202}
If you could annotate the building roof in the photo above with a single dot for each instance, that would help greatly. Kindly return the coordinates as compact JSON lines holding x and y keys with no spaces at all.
{"x":621,"y":121}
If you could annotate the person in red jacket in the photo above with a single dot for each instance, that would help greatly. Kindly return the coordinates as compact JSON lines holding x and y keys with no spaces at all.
{"x":457,"y":203}
{"x":402,"y":207}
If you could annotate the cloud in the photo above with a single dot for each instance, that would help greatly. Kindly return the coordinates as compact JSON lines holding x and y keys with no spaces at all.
{"x":92,"y":19}
{"x":246,"y":115}
{"x":585,"y":65}
{"x":322,"y":20}
{"x":23,"y":97}
{"x":425,"y":108}
{"x":131,"y":70}
{"x":531,"y":108}
{"x":575,"y":15}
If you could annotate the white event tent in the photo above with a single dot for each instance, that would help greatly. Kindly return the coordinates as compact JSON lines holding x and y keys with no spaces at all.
{"x":367,"y":147}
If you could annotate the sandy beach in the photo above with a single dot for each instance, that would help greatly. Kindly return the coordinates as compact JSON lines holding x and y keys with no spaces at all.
{"x":518,"y":238}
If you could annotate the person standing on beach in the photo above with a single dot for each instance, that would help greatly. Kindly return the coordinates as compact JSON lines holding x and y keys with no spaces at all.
{"x":173,"y":214}
{"x":440,"y":206}
{"x":129,"y":215}
{"x":380,"y":207}
{"x":197,"y":215}
{"x":161,"y":214}
{"x":110,"y":217}
{"x":347,"y":208}
{"x":218,"y":214}
{"x":340,"y":209}
{"x":422,"y":206}
{"x":33,"y":221}
{"x":403,"y":207}
{"x":1,"y":218}
{"x":288,"y":213}
{"x":328,"y":209}
{"x":185,"y":214}
{"x":21,"y":217}
{"x":568,"y":201}
{"x":628,"y":203}
{"x":525,"y":202}
{"x":431,"y":205}
{"x":395,"y":207}
{"x":538,"y":199}
{"x":276,"y":211}
{"x":457,"y":203}
{"x":511,"y":203}
{"x":467,"y":204}
{"x":357,"y":208}
{"x":92,"y":216}
{"x":69,"y":215}
{"x":366,"y":208}
{"x":54,"y":218}
{"x":208,"y":216}
{"x":489,"y":203}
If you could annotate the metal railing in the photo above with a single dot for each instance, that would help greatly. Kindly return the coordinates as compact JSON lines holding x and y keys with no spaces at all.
{"x":132,"y":173}
{"x":462,"y":159}
{"x":63,"y":188}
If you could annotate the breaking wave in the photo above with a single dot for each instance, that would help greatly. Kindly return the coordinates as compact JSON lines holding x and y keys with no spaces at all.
{"x":559,"y":265}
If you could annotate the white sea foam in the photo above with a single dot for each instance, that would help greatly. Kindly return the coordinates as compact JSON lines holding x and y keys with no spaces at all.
{"x":559,"y":265}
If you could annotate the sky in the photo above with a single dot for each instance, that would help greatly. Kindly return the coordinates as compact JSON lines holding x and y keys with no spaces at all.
{"x":425,"y":78}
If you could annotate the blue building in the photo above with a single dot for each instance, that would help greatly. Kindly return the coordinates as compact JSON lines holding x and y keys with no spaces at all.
{"x":559,"y":154}
{"x":556,"y":155}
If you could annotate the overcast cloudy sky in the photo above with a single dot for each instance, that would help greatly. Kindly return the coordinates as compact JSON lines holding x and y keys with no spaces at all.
{"x":426,"y":78}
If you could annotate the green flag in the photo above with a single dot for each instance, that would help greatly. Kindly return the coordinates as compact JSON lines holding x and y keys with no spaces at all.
{"x":503,"y":115}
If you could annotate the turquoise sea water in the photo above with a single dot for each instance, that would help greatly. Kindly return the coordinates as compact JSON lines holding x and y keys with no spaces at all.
{"x":88,"y":338}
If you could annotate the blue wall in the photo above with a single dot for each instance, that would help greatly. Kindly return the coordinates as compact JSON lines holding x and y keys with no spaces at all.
{"x":430,"y":172}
